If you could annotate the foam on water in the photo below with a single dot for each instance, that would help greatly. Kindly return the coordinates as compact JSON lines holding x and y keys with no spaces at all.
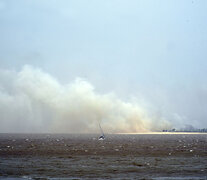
{"x":76,"y":156}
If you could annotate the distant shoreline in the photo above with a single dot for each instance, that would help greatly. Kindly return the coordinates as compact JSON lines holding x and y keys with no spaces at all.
{"x":2,"y":133}
{"x":165,"y":133}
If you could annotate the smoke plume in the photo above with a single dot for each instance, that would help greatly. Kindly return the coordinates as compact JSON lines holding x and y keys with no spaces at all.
{"x":33,"y":101}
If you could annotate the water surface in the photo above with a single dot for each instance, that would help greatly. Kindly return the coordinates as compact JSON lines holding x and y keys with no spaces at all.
{"x":81,"y":156}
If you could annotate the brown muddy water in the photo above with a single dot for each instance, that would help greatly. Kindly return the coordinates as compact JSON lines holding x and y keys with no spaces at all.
{"x":81,"y":156}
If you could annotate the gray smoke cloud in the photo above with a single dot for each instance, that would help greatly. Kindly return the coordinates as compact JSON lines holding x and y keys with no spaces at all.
{"x":34,"y":101}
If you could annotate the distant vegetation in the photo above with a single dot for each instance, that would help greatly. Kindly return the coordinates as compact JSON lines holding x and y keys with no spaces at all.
{"x":187,"y":128}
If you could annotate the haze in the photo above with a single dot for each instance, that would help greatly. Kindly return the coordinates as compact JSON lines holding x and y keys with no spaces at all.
{"x":134,"y":66}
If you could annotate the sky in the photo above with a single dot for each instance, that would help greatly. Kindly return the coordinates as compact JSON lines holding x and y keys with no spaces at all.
{"x":146,"y":54}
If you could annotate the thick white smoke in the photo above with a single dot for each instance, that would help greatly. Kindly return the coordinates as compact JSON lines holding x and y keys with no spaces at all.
{"x":33,"y":101}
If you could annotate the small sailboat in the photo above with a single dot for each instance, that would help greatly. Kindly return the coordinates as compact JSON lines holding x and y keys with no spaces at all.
{"x":102,"y":137}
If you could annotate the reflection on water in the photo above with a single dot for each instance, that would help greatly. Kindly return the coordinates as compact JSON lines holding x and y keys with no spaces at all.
{"x":73,"y":156}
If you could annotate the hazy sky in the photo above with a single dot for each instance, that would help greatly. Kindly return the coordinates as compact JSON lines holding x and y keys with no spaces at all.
{"x":152,"y":51}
